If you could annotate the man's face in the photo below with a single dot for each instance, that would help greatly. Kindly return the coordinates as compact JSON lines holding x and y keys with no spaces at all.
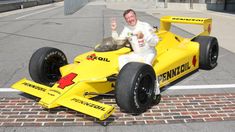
{"x":131,"y":18}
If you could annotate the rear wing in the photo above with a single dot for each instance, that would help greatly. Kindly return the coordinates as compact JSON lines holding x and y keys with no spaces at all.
{"x":165,"y":23}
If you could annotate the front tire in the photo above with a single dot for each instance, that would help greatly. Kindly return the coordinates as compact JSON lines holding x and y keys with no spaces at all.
{"x":44,"y":65}
{"x":135,"y":87}
{"x":157,"y":99}
{"x":209,"y":51}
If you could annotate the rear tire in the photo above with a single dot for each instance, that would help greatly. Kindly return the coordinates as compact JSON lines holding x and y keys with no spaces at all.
{"x":44,"y":65}
{"x":135,"y":87}
{"x":209,"y":51}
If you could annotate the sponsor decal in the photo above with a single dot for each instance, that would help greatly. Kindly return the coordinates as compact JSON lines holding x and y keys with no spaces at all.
{"x":88,"y":104}
{"x":55,"y":91}
{"x":55,"y":53}
{"x":194,"y":61}
{"x":174,"y":72}
{"x":66,"y":80}
{"x":141,"y":42}
{"x":50,"y":94}
{"x":209,"y":28}
{"x":94,"y":57}
{"x":188,"y":19}
{"x":129,"y":34}
{"x":34,"y":86}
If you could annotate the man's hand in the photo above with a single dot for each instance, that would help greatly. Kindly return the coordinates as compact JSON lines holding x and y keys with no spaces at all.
{"x":140,"y":35}
{"x":113,"y":24}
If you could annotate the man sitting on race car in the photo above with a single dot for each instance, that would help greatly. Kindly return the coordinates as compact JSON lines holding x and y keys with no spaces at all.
{"x":141,"y":36}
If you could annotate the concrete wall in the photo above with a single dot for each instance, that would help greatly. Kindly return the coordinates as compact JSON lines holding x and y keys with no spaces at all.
{"x":182,"y":6}
{"x":71,"y":6}
{"x":214,"y":6}
{"x":9,"y":7}
{"x":231,"y":7}
{"x":24,"y":4}
{"x":41,"y":2}
{"x":220,"y":7}
{"x":29,"y":4}
{"x":179,"y":6}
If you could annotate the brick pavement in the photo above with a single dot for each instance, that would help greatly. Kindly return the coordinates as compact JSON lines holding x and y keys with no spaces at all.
{"x":173,"y":109}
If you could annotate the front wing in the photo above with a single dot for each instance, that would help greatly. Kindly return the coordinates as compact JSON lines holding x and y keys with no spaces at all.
{"x":87,"y":106}
{"x":75,"y":102}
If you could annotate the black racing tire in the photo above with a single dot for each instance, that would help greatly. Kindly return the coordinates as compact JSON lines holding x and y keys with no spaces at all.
{"x":134,"y":90}
{"x":209,"y":51}
{"x":44,"y":65}
{"x":157,"y":99}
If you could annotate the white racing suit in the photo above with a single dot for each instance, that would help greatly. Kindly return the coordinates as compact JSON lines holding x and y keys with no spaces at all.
{"x":143,"y":49}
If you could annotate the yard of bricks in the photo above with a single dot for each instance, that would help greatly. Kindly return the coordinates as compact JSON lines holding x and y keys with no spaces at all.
{"x":171,"y":110}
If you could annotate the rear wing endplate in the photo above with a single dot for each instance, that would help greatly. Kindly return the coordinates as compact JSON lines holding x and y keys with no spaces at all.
{"x":165,"y":23}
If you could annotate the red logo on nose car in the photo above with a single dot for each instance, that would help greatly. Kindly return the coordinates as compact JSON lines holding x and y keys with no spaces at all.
{"x":91,"y":57}
{"x":66,"y":80}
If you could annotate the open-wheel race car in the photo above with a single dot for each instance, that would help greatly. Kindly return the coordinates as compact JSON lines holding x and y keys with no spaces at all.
{"x":95,"y":73}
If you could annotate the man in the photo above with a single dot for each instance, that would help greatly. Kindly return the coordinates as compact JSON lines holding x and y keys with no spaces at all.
{"x":141,"y":36}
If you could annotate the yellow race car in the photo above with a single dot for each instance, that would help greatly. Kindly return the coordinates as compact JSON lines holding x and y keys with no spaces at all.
{"x":96,"y":73}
